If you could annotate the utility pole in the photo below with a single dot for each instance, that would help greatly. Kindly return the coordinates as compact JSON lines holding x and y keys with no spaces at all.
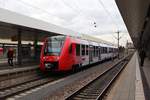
{"x":118,"y":40}
{"x":127,"y":47}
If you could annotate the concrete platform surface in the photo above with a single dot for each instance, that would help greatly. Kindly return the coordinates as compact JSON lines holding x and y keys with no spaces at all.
{"x":26,"y":63}
{"x":129,"y":85}
{"x":15,"y":70}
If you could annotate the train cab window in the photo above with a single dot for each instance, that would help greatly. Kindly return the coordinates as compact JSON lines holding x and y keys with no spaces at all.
{"x":78,"y":49}
{"x":54,"y":45}
{"x":87,"y":49}
{"x":83,"y":50}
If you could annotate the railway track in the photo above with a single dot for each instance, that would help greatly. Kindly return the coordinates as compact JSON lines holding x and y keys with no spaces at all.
{"x":30,"y":79}
{"x":13,"y":73}
{"x":19,"y":88}
{"x":15,"y":82}
{"x":96,"y":89}
{"x":14,"y":78}
{"x":18,"y":82}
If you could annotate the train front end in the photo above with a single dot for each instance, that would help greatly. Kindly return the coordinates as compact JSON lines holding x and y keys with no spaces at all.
{"x":50,"y":53}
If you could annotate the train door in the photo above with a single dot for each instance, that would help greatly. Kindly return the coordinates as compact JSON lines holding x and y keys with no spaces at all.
{"x":78,"y":54}
{"x":90,"y":53}
{"x":87,"y":53}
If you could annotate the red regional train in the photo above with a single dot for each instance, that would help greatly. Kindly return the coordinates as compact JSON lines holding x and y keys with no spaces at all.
{"x":64,"y":53}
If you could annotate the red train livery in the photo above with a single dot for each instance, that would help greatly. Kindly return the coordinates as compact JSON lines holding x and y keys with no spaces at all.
{"x":1,"y":52}
{"x":63,"y":53}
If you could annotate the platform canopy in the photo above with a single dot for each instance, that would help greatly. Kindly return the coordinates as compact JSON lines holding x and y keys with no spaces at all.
{"x":11,"y":22}
{"x":136,"y":15}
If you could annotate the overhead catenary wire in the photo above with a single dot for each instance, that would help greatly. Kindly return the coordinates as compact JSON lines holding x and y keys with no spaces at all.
{"x":66,"y":3}
{"x":35,"y":7}
{"x":108,"y":13}
{"x":79,"y":11}
{"x":111,"y":17}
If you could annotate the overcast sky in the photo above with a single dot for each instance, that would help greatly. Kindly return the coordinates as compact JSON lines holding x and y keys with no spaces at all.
{"x":78,"y":15}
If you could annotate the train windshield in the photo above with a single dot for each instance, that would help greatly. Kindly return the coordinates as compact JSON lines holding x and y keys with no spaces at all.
{"x":54,"y":45}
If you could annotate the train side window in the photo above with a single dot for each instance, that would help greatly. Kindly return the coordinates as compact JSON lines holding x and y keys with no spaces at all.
{"x":93,"y":51}
{"x":87,"y":49}
{"x":111,"y":50}
{"x":45,"y":48}
{"x":105,"y":49}
{"x":70,"y":49}
{"x":78,"y":49}
{"x":102,"y":50}
{"x":97,"y":51}
{"x":83,"y":50}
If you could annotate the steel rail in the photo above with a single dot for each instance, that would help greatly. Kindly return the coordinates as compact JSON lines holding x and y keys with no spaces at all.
{"x":24,"y":87}
{"x":98,"y":92}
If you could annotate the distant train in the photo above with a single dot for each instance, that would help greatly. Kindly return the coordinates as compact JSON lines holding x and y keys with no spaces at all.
{"x":64,"y":53}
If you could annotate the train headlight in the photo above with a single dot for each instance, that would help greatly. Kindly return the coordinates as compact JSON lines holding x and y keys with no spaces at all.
{"x":49,"y":65}
{"x":44,"y":58}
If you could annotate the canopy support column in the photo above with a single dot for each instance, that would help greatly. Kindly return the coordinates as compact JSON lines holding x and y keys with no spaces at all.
{"x":19,"y":58}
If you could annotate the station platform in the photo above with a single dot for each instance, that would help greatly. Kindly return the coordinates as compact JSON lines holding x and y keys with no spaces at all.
{"x":26,"y":63}
{"x":5,"y":68}
{"x":128,"y":85}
